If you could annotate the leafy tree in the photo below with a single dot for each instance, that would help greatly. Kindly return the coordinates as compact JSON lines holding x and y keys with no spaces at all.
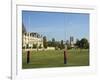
{"x":53,"y":42}
{"x":27,"y":46}
{"x":62,"y":45}
{"x":23,"y":31}
{"x":84,"y":43}
{"x":45,"y":42}
{"x":35,"y":46}
{"x":23,"y":28}
{"x":77,"y":43}
{"x":49,"y":43}
{"x":68,"y":44}
{"x":40,"y":46}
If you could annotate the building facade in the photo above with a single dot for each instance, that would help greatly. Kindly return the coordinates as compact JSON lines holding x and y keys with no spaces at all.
{"x":32,"y":40}
{"x":71,"y":41}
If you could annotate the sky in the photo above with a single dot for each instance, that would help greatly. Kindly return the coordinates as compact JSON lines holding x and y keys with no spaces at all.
{"x":58,"y":25}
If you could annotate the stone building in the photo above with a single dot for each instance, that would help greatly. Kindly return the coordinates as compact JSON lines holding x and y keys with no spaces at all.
{"x":32,"y":40}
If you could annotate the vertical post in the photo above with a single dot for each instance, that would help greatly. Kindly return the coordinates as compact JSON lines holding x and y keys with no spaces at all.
{"x":65,"y":55}
{"x":28,"y":57}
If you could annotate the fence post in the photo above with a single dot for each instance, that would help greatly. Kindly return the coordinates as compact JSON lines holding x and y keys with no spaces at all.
{"x":28,"y":57}
{"x":65,"y":55}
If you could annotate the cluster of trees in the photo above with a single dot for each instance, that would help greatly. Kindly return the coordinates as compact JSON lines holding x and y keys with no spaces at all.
{"x":23,"y":28}
{"x":45,"y":42}
{"x":83,"y":43}
{"x":53,"y":43}
{"x":35,"y":46}
{"x":56,"y":44}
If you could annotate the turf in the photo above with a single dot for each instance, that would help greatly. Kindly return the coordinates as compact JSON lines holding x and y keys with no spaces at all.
{"x":55,"y":58}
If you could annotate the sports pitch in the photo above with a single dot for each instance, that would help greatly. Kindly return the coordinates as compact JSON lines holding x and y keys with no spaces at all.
{"x":55,"y":58}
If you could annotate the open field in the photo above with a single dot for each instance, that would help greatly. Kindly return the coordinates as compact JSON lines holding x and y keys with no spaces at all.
{"x":54,"y":58}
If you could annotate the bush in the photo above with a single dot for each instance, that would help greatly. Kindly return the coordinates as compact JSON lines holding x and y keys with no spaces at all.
{"x":69,"y":47}
{"x":35,"y":46}
{"x":23,"y":47}
{"x":27,"y":46}
{"x":40,"y":46}
{"x":56,"y":48}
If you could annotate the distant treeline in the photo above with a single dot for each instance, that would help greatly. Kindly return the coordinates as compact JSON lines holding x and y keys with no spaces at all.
{"x":83,"y":43}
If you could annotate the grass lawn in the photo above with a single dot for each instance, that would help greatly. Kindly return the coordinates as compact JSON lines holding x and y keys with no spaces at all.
{"x":45,"y":59}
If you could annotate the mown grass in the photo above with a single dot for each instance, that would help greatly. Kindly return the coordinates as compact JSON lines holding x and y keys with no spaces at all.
{"x":46,"y":59}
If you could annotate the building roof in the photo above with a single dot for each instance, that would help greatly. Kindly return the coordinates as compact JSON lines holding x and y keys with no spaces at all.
{"x":34,"y":34}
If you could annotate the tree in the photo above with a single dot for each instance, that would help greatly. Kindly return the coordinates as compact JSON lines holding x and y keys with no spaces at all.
{"x":27,"y":46}
{"x":49,"y":43}
{"x":77,"y":43}
{"x":23,"y":31}
{"x":40,"y":46}
{"x":45,"y":42}
{"x":35,"y":46}
{"x":68,"y":44}
{"x":57,"y":45}
{"x":62,"y":45}
{"x":84,"y":43}
{"x":23,"y":28}
{"x":53,"y":42}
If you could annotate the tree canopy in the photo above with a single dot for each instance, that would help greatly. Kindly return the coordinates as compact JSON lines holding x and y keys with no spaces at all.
{"x":83,"y":43}
{"x":23,"y":28}
{"x":45,"y":42}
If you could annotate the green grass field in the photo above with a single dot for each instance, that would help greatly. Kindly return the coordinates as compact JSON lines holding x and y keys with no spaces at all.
{"x":47,"y":59}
